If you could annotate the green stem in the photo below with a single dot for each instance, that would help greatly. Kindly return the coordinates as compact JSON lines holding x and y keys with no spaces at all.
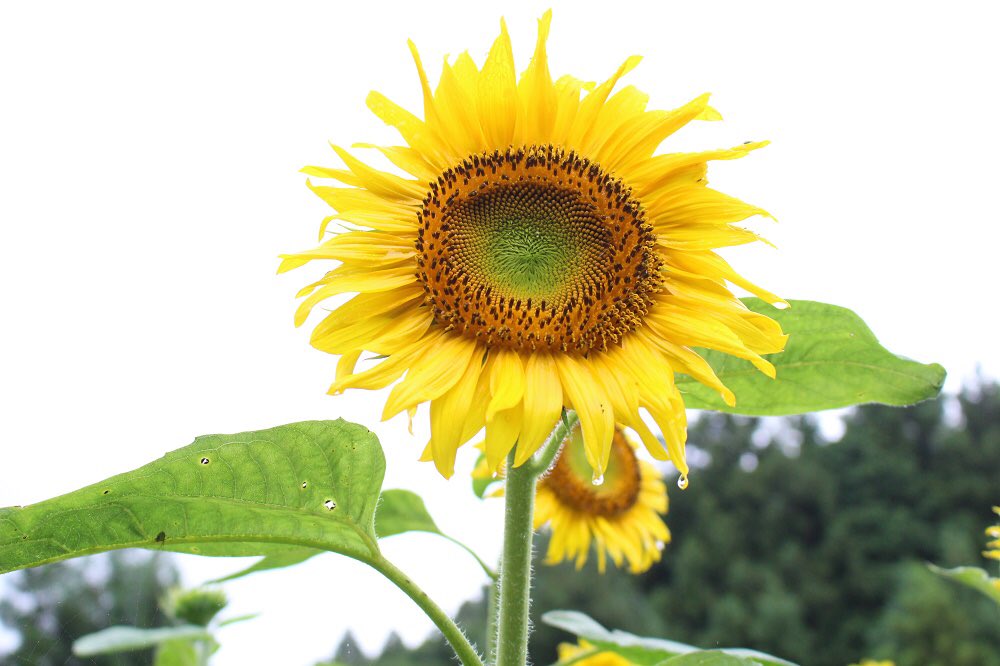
{"x":491,"y":623}
{"x":515,"y":567}
{"x":459,"y":643}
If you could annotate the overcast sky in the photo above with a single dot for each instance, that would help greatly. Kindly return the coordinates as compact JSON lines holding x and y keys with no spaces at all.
{"x":149,"y":158}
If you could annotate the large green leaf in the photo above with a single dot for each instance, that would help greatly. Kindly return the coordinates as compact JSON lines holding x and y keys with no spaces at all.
{"x":973,"y":577}
{"x":313,"y":484}
{"x":127,"y":639}
{"x":648,"y":651}
{"x":832,"y":360}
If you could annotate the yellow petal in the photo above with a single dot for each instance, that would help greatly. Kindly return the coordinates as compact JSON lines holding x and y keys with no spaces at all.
{"x":413,"y":130}
{"x":431,"y":375}
{"x":590,"y":107}
{"x":449,"y":417}
{"x":385,"y":185}
{"x":597,"y":419}
{"x":502,"y":432}
{"x":506,"y":381}
{"x":536,"y":91}
{"x":497,"y":95}
{"x":543,"y":401}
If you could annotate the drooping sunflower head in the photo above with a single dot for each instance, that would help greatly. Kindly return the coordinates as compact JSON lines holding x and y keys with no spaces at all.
{"x":621,"y":516}
{"x":532,"y":252}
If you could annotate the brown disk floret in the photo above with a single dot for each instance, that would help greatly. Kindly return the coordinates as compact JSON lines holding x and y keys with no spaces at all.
{"x":617,"y":494}
{"x":536,"y":249}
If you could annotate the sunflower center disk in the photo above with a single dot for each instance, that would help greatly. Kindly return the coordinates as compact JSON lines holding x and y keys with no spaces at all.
{"x":536,"y":248}
{"x":570,"y":478}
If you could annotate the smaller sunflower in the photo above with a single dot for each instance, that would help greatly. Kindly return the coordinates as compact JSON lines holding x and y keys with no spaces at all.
{"x":993,"y":547}
{"x":620,"y":515}
{"x":568,"y":651}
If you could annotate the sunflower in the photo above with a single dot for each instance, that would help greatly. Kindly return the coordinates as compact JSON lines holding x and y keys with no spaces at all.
{"x":586,"y":654}
{"x":621,"y":515}
{"x":993,"y":547}
{"x":535,"y":255}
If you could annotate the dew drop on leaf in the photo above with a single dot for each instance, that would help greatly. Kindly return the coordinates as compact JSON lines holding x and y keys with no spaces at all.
{"x":330,"y":505}
{"x":205,"y":461}
{"x":304,"y":484}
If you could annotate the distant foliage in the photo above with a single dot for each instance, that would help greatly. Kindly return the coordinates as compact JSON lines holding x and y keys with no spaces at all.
{"x":49,"y":607}
{"x":807,"y":549}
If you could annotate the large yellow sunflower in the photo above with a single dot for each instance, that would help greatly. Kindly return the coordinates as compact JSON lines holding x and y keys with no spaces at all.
{"x":621,"y":516}
{"x":538,"y":255}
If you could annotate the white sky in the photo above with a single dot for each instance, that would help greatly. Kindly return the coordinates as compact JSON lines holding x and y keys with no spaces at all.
{"x":148,"y":169}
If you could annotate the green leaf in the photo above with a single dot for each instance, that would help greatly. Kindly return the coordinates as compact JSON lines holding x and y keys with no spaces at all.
{"x":403,"y":511}
{"x":708,"y":658}
{"x":127,"y":639}
{"x":973,"y":577}
{"x":313,"y":484}
{"x":286,"y":558}
{"x":648,"y":651}
{"x":177,"y":653}
{"x":482,"y":485}
{"x":399,"y":511}
{"x":238,"y":619}
{"x":832,"y":360}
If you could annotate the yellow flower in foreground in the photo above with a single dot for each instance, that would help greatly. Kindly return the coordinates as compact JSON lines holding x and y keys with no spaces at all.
{"x":536,"y":255}
{"x":872,"y":662}
{"x":569,"y":651}
{"x":621,"y":516}
{"x":993,"y":547}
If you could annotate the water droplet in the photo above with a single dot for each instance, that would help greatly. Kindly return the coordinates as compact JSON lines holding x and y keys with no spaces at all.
{"x":330,"y":505}
{"x":682,"y":481}
{"x":304,"y":484}
{"x":598,"y":479}
{"x":205,"y":461}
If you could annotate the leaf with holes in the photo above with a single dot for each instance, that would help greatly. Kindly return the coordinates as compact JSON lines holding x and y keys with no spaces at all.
{"x":831,"y":360}
{"x":644,"y":651}
{"x":312,"y":485}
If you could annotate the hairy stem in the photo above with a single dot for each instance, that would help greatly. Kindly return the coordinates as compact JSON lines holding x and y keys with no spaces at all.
{"x":492,"y":611}
{"x":459,"y":643}
{"x":515,"y":567}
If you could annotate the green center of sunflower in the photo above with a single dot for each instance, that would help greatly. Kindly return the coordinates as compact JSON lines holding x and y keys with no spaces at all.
{"x":570,"y":479}
{"x":536,"y":248}
{"x":529,"y":240}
